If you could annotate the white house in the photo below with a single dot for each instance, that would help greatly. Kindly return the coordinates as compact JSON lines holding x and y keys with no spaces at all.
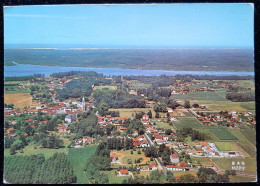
{"x":174,"y":158}
{"x":173,"y":118}
{"x":153,"y":166}
{"x":176,"y":168}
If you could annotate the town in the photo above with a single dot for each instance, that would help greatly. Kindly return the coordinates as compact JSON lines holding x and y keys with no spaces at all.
{"x":135,"y":129}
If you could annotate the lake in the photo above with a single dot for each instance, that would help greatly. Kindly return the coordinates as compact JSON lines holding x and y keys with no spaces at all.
{"x":25,"y":70}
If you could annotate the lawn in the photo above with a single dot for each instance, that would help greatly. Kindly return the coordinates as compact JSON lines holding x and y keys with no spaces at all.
{"x":130,"y":112}
{"x":78,"y":158}
{"x":225,"y":146}
{"x":241,"y":179}
{"x":187,"y":122}
{"x":226,"y":163}
{"x":113,"y":179}
{"x":222,"y":133}
{"x":163,"y":125}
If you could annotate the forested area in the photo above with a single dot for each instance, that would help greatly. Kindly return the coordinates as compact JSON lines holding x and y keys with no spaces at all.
{"x":25,"y":78}
{"x":241,"y":96}
{"x":193,"y":133}
{"x":35,"y":169}
{"x":118,"y":143}
{"x":118,"y":99}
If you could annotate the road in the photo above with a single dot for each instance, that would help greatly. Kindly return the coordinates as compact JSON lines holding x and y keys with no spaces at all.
{"x":158,"y":160}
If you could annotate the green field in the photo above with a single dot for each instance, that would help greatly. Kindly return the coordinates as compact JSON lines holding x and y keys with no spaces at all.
{"x":163,"y":125}
{"x":105,"y":87}
{"x":222,"y":133}
{"x":112,"y":178}
{"x":246,"y":83}
{"x":78,"y":159}
{"x":216,"y":96}
{"x":187,"y":114}
{"x":29,"y":150}
{"x":130,"y":112}
{"x":199,"y":85}
{"x":226,"y":163}
{"x":187,"y":122}
{"x":250,"y":134}
{"x":225,"y":146}
{"x":244,"y":143}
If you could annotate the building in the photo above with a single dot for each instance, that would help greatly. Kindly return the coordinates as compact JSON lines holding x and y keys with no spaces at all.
{"x":153,"y":166}
{"x":174,"y":158}
{"x":71,"y":118}
{"x":123,"y":172}
{"x":113,"y":156}
{"x":176,"y":168}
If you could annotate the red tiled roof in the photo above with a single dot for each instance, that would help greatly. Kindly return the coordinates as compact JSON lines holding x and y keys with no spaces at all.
{"x":173,"y":166}
{"x":174,"y":156}
{"x":203,"y":143}
{"x":123,"y":128}
{"x":152,"y":165}
{"x":124,"y":171}
{"x":113,"y":155}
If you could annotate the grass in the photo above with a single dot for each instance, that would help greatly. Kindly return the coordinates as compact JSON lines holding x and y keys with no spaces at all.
{"x":130,"y":112}
{"x":163,"y":125}
{"x":29,"y":150}
{"x":113,"y":179}
{"x":14,"y":82}
{"x":222,"y":133}
{"x":187,"y":122}
{"x":225,"y":146}
{"x":246,"y":83}
{"x":241,"y":179}
{"x":188,"y":114}
{"x":250,"y":134}
{"x":214,"y":96}
{"x":244,"y":141}
{"x":226,"y":163}
{"x":105,"y":87}
{"x":209,"y":136}
{"x":78,"y":158}
{"x":199,"y":85}
{"x":180,"y":173}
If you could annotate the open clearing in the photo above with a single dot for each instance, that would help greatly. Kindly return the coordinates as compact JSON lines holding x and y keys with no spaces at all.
{"x":105,"y":87}
{"x":130,"y":112}
{"x":113,"y":179}
{"x":187,"y":122}
{"x":78,"y":159}
{"x":20,"y":100}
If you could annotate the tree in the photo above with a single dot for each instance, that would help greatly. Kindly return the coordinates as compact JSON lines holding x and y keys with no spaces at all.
{"x":187,"y":178}
{"x":187,"y":104}
{"x":156,"y":176}
{"x":157,"y":115}
{"x":170,"y":177}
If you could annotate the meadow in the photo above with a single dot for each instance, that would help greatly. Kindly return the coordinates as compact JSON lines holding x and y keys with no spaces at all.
{"x":250,"y":134}
{"x":105,"y":87}
{"x":187,"y":122}
{"x":130,"y":112}
{"x":222,"y":133}
{"x":78,"y":158}
{"x":225,"y":146}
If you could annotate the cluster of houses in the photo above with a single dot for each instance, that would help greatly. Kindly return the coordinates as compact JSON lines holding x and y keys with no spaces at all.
{"x":213,"y":118}
{"x":82,"y":141}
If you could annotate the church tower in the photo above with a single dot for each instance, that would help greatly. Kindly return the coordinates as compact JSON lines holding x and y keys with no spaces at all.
{"x":83,"y":104}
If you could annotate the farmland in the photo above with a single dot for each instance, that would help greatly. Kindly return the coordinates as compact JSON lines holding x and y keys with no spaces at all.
{"x":187,"y":122}
{"x":250,"y":135}
{"x":225,"y":146}
{"x":20,"y":100}
{"x":222,"y":133}
{"x":105,"y":87}
{"x":130,"y":112}
{"x":78,"y":158}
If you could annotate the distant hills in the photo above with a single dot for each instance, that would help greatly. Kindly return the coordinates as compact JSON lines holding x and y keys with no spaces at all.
{"x":154,"y":59}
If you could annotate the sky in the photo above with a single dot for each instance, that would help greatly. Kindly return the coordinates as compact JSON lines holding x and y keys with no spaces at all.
{"x":139,"y":25}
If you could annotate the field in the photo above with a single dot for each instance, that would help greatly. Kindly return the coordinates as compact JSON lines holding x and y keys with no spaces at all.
{"x":130,"y":112}
{"x":187,"y":122}
{"x":113,"y":179}
{"x":226,"y":163}
{"x":20,"y":100}
{"x":225,"y":146}
{"x":105,"y":87}
{"x":163,"y":125}
{"x":250,"y":134}
{"x":222,"y":133}
{"x":216,"y":96}
{"x":241,"y":179}
{"x":78,"y":158}
{"x":29,"y":150}
{"x":244,"y":143}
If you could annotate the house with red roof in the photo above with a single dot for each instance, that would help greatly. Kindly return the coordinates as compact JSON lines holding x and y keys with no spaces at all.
{"x":87,"y":140}
{"x":144,"y":144}
{"x":203,"y":143}
{"x":174,"y":158}
{"x":113,"y":156}
{"x":123,"y":172}
{"x":153,"y":166}
{"x":173,"y":118}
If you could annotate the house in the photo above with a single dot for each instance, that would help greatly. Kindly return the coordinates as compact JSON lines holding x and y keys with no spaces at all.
{"x":71,"y":118}
{"x":203,"y":143}
{"x":170,"y":110}
{"x":146,"y":116}
{"x":87,"y":140}
{"x":144,"y":144}
{"x":123,"y":128}
{"x":183,"y":164}
{"x":132,"y":92}
{"x":62,"y":128}
{"x":152,"y":166}
{"x":232,"y":154}
{"x":173,"y":118}
{"x":165,"y":138}
{"x":174,"y":158}
{"x":160,"y":142}
{"x":123,"y":172}
{"x":113,"y":156}
{"x":176,"y":168}
{"x":135,"y":133}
